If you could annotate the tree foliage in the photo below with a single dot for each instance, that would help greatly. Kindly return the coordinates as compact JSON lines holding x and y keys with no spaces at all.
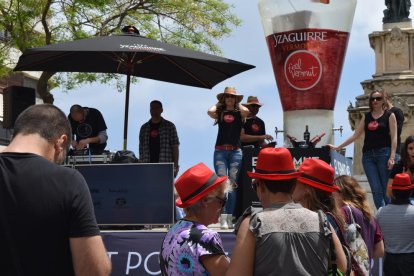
{"x":194,"y":24}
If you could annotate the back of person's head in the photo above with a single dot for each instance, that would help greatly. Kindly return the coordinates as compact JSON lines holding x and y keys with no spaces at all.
{"x":75,"y":108}
{"x":402,"y":188}
{"x":405,"y":158}
{"x":401,"y":196}
{"x":44,"y":119}
{"x":280,"y":186}
{"x":352,"y":193}
{"x":156,"y":102}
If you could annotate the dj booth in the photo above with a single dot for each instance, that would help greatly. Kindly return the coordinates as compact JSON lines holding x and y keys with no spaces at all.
{"x":129,"y":193}
{"x":246,"y":196}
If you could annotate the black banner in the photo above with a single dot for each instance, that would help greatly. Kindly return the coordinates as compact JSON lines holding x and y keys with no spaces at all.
{"x":136,"y":253}
{"x":247,"y":197}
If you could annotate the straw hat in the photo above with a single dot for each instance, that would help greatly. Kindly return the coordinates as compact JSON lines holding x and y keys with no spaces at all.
{"x":318,"y":174}
{"x":229,"y":91}
{"x":252,"y":100}
{"x":401,"y":181}
{"x":274,"y":164}
{"x":195,"y":183}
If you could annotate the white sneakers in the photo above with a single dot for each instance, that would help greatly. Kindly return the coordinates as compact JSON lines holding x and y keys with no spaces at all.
{"x":226,"y":221}
{"x":223,"y":221}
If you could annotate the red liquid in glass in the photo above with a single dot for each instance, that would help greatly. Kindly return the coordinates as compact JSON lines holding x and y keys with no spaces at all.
{"x":307,"y":65}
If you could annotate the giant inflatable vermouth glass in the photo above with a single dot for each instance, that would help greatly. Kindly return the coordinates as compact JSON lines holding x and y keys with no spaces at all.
{"x":307,"y":41}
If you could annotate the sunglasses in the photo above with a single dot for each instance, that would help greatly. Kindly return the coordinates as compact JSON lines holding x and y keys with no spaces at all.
{"x":255,"y":106}
{"x":230,"y":96}
{"x":378,"y":99}
{"x":222,"y":200}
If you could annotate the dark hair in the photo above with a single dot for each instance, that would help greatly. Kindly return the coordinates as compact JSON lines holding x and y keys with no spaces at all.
{"x":370,"y":97}
{"x":401,"y":197}
{"x":405,"y":159}
{"x":157,"y":102}
{"x":317,"y":199}
{"x":46,"y":120}
{"x":279,"y":186}
{"x":75,"y":108}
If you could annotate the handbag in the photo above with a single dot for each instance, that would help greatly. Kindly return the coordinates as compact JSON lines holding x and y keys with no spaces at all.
{"x":357,"y":247}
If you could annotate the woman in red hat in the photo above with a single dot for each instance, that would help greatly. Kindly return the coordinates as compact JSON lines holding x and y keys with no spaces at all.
{"x":314,"y":190}
{"x":353,"y":201}
{"x":396,"y":221}
{"x":229,"y":115}
{"x":190,"y":247}
{"x":284,"y":238}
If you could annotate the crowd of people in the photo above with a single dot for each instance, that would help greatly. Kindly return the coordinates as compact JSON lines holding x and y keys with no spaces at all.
{"x":310,"y":223}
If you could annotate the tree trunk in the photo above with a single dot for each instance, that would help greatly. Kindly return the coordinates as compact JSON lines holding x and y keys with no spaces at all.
{"x":43,"y":89}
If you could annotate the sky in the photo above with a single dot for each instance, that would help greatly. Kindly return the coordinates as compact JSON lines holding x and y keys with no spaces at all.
{"x":187,"y":106}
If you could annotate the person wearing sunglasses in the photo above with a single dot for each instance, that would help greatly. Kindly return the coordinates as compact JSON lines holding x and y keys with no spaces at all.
{"x":190,"y":247}
{"x":229,"y":115}
{"x":254,"y":131}
{"x":380,"y":143}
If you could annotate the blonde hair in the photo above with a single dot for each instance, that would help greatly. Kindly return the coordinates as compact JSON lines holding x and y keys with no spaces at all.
{"x":194,"y":208}
{"x":352,"y":193}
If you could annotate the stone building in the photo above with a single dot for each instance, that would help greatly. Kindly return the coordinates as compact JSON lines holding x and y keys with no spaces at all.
{"x":394,"y":73}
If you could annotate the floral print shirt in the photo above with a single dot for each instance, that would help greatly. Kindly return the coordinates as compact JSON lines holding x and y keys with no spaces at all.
{"x":184,"y":245}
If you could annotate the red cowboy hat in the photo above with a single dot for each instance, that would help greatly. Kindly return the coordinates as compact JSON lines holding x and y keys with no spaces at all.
{"x":318,"y":174}
{"x":252,"y":100}
{"x":274,"y":164}
{"x":195,"y":183}
{"x":401,"y":181}
{"x":229,"y":91}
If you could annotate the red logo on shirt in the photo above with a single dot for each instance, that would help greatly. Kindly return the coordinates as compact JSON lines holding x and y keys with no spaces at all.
{"x":255,"y":128}
{"x":373,"y":125}
{"x":228,"y":118}
{"x":154,"y":133}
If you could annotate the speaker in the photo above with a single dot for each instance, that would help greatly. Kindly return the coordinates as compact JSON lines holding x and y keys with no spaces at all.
{"x":15,"y":100}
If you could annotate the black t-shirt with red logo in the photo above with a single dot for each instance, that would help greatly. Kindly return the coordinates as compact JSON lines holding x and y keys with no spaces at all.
{"x":377,"y":132}
{"x":154,"y":142}
{"x":254,"y":126}
{"x":229,"y":129}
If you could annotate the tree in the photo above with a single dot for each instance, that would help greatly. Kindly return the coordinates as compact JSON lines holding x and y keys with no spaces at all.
{"x":195,"y":24}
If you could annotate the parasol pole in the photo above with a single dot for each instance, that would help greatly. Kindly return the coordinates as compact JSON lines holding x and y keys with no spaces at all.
{"x":127,"y":107}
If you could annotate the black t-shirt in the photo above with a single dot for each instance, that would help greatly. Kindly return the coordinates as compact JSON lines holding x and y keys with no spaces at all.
{"x":154,"y":142}
{"x":377,"y":132}
{"x":229,"y":129}
{"x":42,"y":205}
{"x":90,"y":127}
{"x":399,"y":116}
{"x":254,"y":126}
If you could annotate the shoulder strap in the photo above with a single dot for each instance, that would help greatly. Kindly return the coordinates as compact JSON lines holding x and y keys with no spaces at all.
{"x":328,"y":233}
{"x":350,"y":214}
